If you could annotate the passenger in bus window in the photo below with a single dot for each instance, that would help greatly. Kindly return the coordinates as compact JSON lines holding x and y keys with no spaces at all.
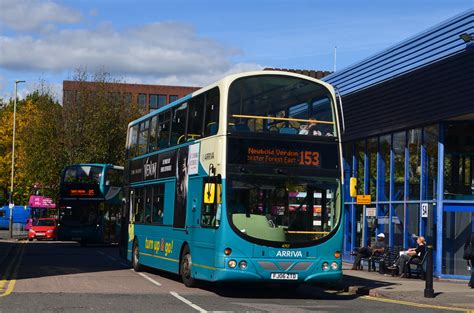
{"x":309,"y":129}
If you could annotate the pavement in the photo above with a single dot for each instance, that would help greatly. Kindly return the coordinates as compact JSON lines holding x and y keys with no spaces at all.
{"x":448,"y":293}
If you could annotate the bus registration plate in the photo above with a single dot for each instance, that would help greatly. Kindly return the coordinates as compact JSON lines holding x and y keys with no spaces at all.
{"x":284,"y":276}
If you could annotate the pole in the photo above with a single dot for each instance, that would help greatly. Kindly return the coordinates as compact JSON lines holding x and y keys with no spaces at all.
{"x":429,"y":292}
{"x":11,"y":204}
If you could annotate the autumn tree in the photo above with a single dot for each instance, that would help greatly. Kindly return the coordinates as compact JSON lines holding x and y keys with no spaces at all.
{"x":6,"y":137}
{"x":42,"y":141}
{"x":96,"y":119}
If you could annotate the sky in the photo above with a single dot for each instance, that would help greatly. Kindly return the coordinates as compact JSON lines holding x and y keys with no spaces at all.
{"x":195,"y":43}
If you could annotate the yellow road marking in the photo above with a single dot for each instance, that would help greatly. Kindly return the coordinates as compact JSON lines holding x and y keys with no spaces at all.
{"x":8,"y":270}
{"x":17,"y":259}
{"x":419,"y":305}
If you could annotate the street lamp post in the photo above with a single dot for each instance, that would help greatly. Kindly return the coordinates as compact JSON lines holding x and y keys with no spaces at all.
{"x":11,"y":205}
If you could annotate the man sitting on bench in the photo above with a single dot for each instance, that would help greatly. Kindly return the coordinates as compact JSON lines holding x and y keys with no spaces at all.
{"x":367,"y":252}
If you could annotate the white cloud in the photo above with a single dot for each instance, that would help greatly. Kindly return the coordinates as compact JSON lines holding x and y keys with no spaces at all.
{"x":161,"y":52}
{"x":35,"y":15}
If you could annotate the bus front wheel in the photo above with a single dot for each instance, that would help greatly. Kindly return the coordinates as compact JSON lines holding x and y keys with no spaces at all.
{"x":137,"y":267}
{"x":186,"y":268}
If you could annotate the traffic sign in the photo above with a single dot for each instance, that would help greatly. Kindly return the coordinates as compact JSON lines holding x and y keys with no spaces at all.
{"x":363,"y":199}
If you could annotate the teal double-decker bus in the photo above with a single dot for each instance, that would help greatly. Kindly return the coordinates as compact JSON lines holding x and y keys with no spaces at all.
{"x":90,"y":203}
{"x":239,"y":181}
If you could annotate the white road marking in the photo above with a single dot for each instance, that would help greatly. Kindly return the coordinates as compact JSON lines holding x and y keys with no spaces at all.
{"x":194,"y":306}
{"x":149,"y":279}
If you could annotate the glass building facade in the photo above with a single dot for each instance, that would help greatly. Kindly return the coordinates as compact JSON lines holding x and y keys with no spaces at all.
{"x":413,"y":191}
{"x":409,"y":142}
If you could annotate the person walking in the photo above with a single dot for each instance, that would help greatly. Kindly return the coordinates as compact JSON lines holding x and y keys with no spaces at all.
{"x":367,"y":252}
{"x":410,"y":256}
{"x":469,"y":256}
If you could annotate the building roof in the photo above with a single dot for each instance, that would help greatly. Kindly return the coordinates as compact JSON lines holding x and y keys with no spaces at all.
{"x":432,"y":45}
{"x":74,"y":84}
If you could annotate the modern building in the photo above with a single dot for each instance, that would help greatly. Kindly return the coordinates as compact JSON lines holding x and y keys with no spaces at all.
{"x":409,"y":141}
{"x":149,"y":97}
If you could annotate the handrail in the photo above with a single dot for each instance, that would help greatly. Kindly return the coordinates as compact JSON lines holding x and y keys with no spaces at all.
{"x":281,"y":119}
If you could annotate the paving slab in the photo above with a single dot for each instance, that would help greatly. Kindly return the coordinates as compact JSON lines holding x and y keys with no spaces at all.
{"x":449,"y":293}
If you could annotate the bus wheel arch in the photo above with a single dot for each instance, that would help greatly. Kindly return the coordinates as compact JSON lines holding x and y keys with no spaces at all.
{"x":185,"y":266}
{"x":137,"y":267}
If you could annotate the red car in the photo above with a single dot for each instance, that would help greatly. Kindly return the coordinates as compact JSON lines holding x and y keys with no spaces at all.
{"x":43,"y":228}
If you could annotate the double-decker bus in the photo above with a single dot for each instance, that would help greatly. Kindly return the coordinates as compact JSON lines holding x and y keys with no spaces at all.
{"x":90,"y":202}
{"x":239,"y":181}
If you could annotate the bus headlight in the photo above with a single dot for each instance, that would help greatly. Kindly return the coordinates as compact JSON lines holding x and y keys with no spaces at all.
{"x":32,"y":231}
{"x":243,"y":265}
{"x":334,"y":266}
{"x":325,"y":266}
{"x":227,"y":251}
{"x":49,"y":231}
{"x":232,"y":263}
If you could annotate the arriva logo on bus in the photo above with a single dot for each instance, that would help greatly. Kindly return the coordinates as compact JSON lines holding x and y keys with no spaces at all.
{"x":293,"y":254}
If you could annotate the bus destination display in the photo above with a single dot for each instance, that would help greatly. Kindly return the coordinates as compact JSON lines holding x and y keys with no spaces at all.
{"x":284,"y":156}
{"x":287,"y":154}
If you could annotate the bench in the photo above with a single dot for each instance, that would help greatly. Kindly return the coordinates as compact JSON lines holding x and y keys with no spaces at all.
{"x":420,"y":267}
{"x":384,"y":260}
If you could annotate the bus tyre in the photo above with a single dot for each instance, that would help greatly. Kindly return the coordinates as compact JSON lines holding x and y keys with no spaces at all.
{"x":185,"y":268}
{"x":137,"y":267}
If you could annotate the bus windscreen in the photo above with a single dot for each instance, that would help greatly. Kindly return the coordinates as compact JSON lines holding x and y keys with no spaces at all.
{"x":283,"y":209}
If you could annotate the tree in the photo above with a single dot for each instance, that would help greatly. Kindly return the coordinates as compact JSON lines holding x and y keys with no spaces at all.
{"x":42,"y":142}
{"x":6,"y":137}
{"x":95,"y":123}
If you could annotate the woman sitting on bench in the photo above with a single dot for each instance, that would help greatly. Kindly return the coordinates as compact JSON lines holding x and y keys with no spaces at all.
{"x":411,"y":256}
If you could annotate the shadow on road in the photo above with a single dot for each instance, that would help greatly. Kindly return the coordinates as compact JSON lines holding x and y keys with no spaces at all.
{"x":252,"y":290}
{"x":42,"y":259}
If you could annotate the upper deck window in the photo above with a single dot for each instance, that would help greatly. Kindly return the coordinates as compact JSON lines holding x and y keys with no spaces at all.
{"x":280,"y":104}
{"x":83,"y":174}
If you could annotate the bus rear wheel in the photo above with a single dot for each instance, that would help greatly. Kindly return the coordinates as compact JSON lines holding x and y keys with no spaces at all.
{"x":185,"y":268}
{"x":137,"y":267}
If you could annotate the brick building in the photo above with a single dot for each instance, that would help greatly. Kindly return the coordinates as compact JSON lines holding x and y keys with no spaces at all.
{"x":150,"y":97}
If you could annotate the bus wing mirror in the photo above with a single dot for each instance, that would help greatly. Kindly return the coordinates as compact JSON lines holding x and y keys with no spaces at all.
{"x":352,"y":187}
{"x":209,"y":193}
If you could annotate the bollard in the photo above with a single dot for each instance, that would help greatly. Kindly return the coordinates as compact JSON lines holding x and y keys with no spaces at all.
{"x":429,"y":292}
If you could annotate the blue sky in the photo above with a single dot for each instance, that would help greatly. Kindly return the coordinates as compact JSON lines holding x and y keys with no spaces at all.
{"x":196,"y":42}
